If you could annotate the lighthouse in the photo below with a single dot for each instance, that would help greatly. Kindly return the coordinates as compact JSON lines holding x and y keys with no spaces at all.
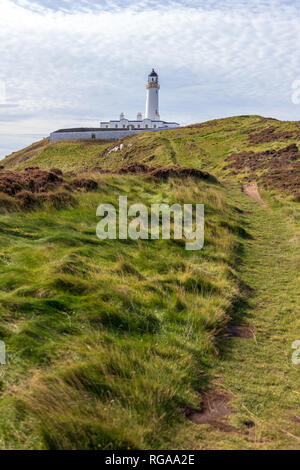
{"x":151,"y":120}
{"x":152,"y":87}
{"x":123,"y":127}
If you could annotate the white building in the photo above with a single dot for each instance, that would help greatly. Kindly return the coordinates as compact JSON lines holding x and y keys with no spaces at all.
{"x":151,"y":120}
{"x":124,"y":127}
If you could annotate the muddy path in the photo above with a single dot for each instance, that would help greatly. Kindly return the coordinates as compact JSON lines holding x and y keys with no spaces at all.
{"x":251,"y":189}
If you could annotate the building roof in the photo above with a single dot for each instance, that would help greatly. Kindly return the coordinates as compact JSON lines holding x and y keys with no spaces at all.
{"x":153,"y":73}
{"x":101,"y":129}
{"x":165,"y":122}
{"x":79,"y":129}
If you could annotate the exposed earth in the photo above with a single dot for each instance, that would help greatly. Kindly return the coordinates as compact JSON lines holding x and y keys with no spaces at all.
{"x":251,"y":189}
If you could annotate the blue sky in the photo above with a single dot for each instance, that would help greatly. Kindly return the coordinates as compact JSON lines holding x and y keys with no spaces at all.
{"x":75,"y":62}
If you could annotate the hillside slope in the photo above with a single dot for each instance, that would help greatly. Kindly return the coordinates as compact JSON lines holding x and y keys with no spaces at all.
{"x":110,"y":341}
{"x":113,"y":344}
{"x":258,"y":375}
{"x":242,"y":147}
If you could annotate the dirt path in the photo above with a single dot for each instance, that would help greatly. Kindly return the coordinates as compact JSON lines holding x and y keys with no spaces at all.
{"x":251,"y":189}
{"x":258,"y":373}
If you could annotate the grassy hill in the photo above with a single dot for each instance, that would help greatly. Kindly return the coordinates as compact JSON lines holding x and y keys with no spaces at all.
{"x":237,"y":148}
{"x":112,"y":344}
{"x":204,"y":146}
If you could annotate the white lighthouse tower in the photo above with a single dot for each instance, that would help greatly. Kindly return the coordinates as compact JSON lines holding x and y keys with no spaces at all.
{"x":123,"y":127}
{"x":152,"y":87}
{"x":151,"y":122}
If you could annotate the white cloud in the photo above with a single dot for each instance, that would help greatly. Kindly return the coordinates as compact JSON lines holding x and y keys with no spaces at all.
{"x":88,"y":60}
{"x":2,"y":92}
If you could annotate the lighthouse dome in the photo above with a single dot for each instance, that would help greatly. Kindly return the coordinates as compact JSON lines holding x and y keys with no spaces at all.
{"x":153,"y":73}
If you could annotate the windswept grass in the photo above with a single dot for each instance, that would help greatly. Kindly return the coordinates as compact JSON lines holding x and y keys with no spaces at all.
{"x":259,"y":374}
{"x":204,"y":146}
{"x":110,"y":341}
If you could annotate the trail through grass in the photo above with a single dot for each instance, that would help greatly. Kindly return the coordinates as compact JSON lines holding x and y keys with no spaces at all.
{"x":109,"y":344}
{"x":259,"y":374}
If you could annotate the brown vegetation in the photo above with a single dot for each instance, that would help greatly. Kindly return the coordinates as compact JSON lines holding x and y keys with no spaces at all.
{"x":272,"y":168}
{"x":33,"y":179}
{"x":34,"y":186}
{"x":271,"y":134}
{"x":158,"y":171}
{"x":85,"y":183}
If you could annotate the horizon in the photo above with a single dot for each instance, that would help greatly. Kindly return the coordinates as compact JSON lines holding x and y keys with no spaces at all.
{"x":40,"y":137}
{"x":62,"y":64}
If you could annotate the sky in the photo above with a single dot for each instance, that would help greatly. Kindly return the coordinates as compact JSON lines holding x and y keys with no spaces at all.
{"x":73,"y":63}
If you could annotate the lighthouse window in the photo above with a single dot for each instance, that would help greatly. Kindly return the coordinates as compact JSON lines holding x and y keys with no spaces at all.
{"x":106,"y":126}
{"x":116,"y":126}
{"x":154,"y":126}
{"x":146,"y":126}
{"x":124,"y":126}
{"x":139,"y":126}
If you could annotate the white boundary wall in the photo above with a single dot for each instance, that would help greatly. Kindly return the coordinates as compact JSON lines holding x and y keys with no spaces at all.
{"x":99,"y":134}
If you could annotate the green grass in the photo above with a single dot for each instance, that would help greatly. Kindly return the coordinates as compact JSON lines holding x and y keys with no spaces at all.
{"x":63,"y":155}
{"x":202,"y":146}
{"x":109,"y":342}
{"x":259,"y":375}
